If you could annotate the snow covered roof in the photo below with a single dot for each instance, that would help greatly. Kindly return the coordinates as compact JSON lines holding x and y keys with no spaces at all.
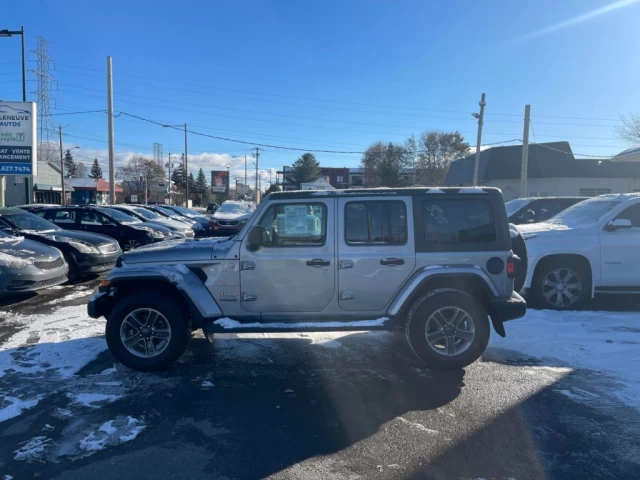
{"x":629,"y":155}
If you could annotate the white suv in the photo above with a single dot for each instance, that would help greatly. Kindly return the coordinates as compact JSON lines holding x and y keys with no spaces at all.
{"x":592,"y":247}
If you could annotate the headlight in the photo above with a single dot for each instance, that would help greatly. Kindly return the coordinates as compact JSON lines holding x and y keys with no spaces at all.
{"x":83,"y":247}
{"x":213,"y":220}
{"x":150,"y":231}
{"x":242,"y":222}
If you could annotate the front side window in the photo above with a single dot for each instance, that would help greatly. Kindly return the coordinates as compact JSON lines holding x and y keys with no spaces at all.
{"x":63,"y":216}
{"x":454,"y":222}
{"x":631,"y":213}
{"x":295,"y":224}
{"x":375,"y":223}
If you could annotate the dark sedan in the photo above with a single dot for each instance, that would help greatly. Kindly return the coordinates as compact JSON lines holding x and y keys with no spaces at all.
{"x":534,"y":210}
{"x":84,"y":252}
{"x":127,"y":231}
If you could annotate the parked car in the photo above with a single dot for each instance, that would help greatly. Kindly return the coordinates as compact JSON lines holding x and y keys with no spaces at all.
{"x":26,"y":266}
{"x":201,"y":222}
{"x":129,"y":232}
{"x":84,"y":252}
{"x":179,"y":229}
{"x":231,"y":217}
{"x":433,"y":263}
{"x":534,"y":210}
{"x":212,"y":207}
{"x":589,"y":248}
{"x":35,"y":206}
{"x":167,"y":213}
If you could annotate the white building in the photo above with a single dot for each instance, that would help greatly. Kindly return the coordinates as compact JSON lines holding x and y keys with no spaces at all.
{"x":552,"y":171}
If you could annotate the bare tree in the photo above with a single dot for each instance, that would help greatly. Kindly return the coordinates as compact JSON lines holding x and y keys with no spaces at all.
{"x":139,"y":173}
{"x":629,"y":129}
{"x":436,"y":152}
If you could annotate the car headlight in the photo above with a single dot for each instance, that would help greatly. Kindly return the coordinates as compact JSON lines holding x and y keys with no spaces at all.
{"x":83,"y":247}
{"x":213,"y":220}
{"x":150,"y":231}
{"x":242,"y":222}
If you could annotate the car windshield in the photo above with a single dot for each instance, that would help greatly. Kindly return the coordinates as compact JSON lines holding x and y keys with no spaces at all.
{"x":586,"y":212}
{"x":5,"y":236}
{"x":187,"y":211}
{"x":514,"y":205}
{"x":168,"y":212}
{"x":119,"y":216}
{"x":148,"y":214}
{"x":31,"y":222}
{"x":233,"y":208}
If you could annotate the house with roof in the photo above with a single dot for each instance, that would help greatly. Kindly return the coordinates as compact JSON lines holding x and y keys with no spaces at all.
{"x":553,"y":170}
{"x":46,"y":187}
{"x":90,"y":191}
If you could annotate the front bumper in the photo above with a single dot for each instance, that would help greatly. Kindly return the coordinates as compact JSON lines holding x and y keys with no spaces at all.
{"x":30,"y":279}
{"x":514,"y":307}
{"x":99,"y":304}
{"x":225,"y":230}
{"x":96,"y":263}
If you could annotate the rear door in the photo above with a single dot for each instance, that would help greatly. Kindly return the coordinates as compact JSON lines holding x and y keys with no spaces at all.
{"x":294,"y":269}
{"x":376,"y":251}
{"x":63,"y":217}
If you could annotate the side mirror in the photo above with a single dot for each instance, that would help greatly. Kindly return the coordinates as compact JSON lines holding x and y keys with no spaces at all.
{"x":619,"y":224}
{"x":254,"y":241}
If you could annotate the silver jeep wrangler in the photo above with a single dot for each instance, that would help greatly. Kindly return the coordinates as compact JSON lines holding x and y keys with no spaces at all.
{"x":435,"y":263}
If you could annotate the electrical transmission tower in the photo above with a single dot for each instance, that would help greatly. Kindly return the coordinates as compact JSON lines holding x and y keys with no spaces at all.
{"x":46,"y":129}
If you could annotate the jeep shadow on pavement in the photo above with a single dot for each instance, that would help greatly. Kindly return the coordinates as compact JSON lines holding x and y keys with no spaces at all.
{"x":434,"y":263}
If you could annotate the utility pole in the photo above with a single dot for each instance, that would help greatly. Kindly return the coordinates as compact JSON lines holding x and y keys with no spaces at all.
{"x":186,"y":166}
{"x":169,"y":166}
{"x":111,"y":140}
{"x":64,"y":193}
{"x":257,"y":185}
{"x":525,"y":152}
{"x":245,"y":170}
{"x":480,"y":118}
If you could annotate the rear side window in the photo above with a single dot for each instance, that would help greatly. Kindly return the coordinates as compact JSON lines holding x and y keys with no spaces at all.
{"x":62,"y":216}
{"x":457,"y":222}
{"x":375,"y":223}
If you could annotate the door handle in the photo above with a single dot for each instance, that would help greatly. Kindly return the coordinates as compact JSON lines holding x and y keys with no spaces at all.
{"x":392,"y":262}
{"x":318,"y":262}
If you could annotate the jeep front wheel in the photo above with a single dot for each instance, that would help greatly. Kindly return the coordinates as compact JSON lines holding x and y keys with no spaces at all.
{"x":447,"y":329}
{"x":146,"y":332}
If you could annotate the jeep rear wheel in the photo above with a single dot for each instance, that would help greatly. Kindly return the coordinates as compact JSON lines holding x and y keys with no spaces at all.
{"x":447,"y":329}
{"x":146,"y":332}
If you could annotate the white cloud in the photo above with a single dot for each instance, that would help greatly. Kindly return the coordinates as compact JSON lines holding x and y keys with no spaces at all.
{"x":579,"y":19}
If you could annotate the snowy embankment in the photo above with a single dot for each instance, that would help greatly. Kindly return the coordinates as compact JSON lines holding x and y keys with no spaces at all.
{"x":606,"y":342}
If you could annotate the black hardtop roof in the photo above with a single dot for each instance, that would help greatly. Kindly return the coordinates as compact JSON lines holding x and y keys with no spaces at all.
{"x":376,"y":192}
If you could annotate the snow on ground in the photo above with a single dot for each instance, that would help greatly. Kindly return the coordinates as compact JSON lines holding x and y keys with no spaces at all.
{"x":79,"y":293}
{"x":111,"y":433}
{"x":12,"y":407}
{"x":607,"y":342}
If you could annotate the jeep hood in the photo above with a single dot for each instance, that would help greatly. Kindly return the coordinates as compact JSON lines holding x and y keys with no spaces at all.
{"x":180,"y":250}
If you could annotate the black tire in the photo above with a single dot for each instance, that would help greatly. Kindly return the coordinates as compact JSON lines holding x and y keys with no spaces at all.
{"x":519,"y":248}
{"x":179,"y":327}
{"x":538,"y":290}
{"x":429,"y":303}
{"x":73,"y":267}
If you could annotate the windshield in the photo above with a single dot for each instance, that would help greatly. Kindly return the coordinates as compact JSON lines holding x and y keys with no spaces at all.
{"x":119,"y":216}
{"x":168,"y":212}
{"x":187,"y":211}
{"x":148,"y":214}
{"x":514,"y":205}
{"x":29,"y":221}
{"x":233,"y":208}
{"x":586,"y":212}
{"x":6,"y":236}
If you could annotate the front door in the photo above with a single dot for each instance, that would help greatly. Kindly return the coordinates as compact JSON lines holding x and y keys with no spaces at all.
{"x":96,"y":222}
{"x":294,"y":268}
{"x":619,"y":252}
{"x":376,"y":251}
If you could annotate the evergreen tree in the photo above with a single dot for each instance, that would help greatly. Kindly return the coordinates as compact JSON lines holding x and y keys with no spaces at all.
{"x":274,"y":187}
{"x":178,"y":176}
{"x":192,"y":186}
{"x":202,"y":187}
{"x":306,"y":169}
{"x":69,"y":164}
{"x":96,"y":170}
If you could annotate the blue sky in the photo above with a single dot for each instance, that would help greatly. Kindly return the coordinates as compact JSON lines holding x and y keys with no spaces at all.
{"x":332,"y":75}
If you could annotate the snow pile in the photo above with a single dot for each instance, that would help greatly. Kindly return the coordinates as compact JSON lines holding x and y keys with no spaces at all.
{"x":33,"y":449}
{"x":112,"y":433}
{"x":229,"y":323}
{"x":67,"y":340}
{"x":92,"y":400}
{"x":12,"y":406}
{"x":606,"y":342}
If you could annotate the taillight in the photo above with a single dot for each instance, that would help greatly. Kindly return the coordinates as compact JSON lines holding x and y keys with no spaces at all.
{"x":511,"y":268}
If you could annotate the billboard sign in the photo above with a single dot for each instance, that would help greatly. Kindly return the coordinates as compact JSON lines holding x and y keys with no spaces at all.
{"x":220,"y":181}
{"x":18,"y":146}
{"x":242,"y":189}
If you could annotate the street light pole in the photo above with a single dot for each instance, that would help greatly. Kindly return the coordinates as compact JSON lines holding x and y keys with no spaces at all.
{"x":480,"y":117}
{"x":186,"y":161}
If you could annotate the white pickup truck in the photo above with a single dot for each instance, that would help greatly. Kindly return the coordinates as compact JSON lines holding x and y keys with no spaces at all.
{"x":592,"y":247}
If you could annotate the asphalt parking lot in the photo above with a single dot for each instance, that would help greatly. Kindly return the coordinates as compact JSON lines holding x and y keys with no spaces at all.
{"x":296,"y":406}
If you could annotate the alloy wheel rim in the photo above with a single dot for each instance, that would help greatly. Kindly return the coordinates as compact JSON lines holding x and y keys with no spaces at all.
{"x":131,"y":244}
{"x":145,"y":333}
{"x":450,"y":331}
{"x":562,"y":287}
